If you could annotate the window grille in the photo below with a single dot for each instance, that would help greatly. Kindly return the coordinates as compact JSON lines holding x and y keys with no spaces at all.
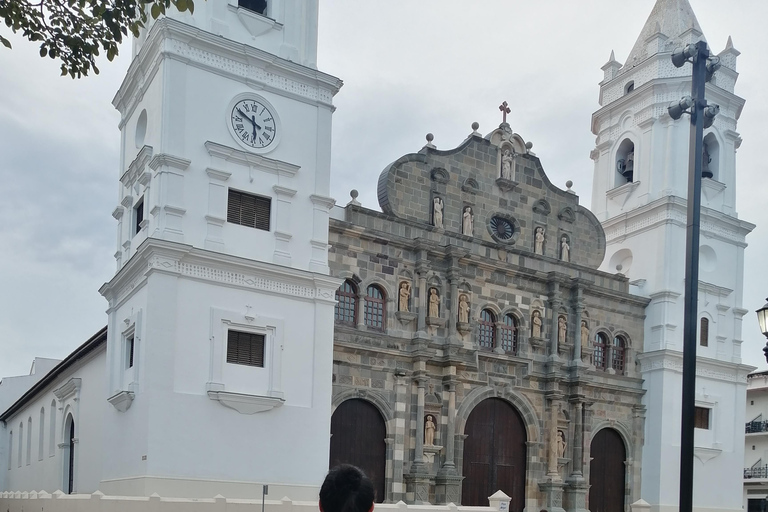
{"x":701,"y":418}
{"x":508,"y":334}
{"x":345,"y":311}
{"x":248,"y":210}
{"x":245,"y":348}
{"x":374,"y":308}
{"x":617,"y":356}
{"x":486,"y":336}
{"x":599,"y":355}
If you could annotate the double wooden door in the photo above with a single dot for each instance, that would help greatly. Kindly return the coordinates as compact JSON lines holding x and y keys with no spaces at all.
{"x":357,"y":438}
{"x":494,"y":454}
{"x":607,"y":472}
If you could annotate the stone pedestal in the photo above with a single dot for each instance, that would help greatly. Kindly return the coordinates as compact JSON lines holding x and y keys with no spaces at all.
{"x":575,"y":495}
{"x":417,"y":487}
{"x":553,"y":495}
{"x":448,"y":489}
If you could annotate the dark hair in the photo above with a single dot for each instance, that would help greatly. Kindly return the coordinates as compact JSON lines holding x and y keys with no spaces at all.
{"x":346,"y":489}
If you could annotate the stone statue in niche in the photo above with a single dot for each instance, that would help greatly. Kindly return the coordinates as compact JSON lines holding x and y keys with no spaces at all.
{"x":434,"y":303}
{"x":561,"y":444}
{"x":467,"y":222}
{"x":405,"y":295}
{"x":506,"y":164}
{"x":538,"y":246}
{"x":536,"y":324}
{"x":429,"y":431}
{"x":463,"y":309}
{"x":584,"y":333}
{"x":437,"y":212}
{"x":565,"y":249}
{"x":562,"y":326}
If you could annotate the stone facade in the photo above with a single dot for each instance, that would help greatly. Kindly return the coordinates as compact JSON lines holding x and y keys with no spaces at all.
{"x":414,"y":364}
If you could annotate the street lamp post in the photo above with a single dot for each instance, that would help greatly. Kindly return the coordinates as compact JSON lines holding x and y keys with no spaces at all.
{"x":702,"y":116}
{"x":762,"y":319}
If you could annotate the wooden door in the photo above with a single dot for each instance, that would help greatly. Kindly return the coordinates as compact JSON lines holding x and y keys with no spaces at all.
{"x":607,"y":472}
{"x":357,"y":438}
{"x":494,"y":454}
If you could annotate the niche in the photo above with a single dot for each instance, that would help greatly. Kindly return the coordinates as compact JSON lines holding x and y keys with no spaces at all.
{"x":625,"y":162}
{"x":710,"y":158}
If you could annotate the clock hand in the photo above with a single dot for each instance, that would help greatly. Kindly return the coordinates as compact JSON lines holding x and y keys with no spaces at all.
{"x":245,"y":116}
{"x":254,"y":132}
{"x":253,"y":121}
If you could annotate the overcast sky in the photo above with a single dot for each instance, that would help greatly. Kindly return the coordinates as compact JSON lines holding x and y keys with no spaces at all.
{"x":409,"y":67}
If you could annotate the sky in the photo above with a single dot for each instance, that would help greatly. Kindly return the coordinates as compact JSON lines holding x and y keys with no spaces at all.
{"x":409,"y":67}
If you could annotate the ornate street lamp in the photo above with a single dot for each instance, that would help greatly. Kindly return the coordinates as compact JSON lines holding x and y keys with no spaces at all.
{"x":762,"y":318}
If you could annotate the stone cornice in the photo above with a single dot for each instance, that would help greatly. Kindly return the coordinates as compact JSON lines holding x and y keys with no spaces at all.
{"x":241,"y":157}
{"x":714,"y":369}
{"x":673,"y":209}
{"x":185,"y":261}
{"x":169,"y":38}
{"x":137,"y":166}
{"x":71,"y":388}
{"x":166,"y":160}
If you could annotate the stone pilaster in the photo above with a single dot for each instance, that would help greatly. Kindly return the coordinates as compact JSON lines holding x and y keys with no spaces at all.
{"x":418,"y":479}
{"x":448,"y":482}
{"x":576,"y":486}
{"x":577,"y":308}
{"x":554,"y":307}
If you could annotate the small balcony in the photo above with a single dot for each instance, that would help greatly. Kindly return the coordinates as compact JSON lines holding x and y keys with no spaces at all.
{"x":756,"y":471}
{"x":756,"y":427}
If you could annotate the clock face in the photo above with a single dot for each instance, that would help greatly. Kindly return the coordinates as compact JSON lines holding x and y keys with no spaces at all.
{"x":253,"y":123}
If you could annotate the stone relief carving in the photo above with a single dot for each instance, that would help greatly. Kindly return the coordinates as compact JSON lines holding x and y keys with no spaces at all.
{"x":536,"y":324}
{"x":538,"y":246}
{"x":434,"y":303}
{"x":584,"y":333}
{"x":463,"y":309}
{"x":405,"y":296}
{"x":437,"y":212}
{"x":507,"y":158}
{"x":561,"y":444}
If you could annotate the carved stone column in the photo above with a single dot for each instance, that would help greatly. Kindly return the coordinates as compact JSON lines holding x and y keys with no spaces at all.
{"x":453,"y":304}
{"x":552,"y":487}
{"x":577,"y":488}
{"x":422,"y":267}
{"x":448,"y":482}
{"x":554,"y":307}
{"x":360,"y":308}
{"x":418,"y":480}
{"x":577,"y":308}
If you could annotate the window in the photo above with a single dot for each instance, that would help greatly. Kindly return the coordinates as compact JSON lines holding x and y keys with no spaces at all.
{"x":704,"y":332}
{"x":486,"y":336}
{"x":629,"y":87}
{"x":601,"y":347}
{"x":248,"y":210}
{"x":245,"y":348}
{"x":41,"y":435}
{"x":138,"y":216}
{"x":701,"y":418}
{"x":29,"y":440}
{"x":345,"y":311}
{"x":129,"y":351}
{"x":259,"y":6}
{"x":52,"y":431}
{"x":617,"y":354}
{"x":625,"y":162}
{"x":374,"y":308}
{"x":508,"y":334}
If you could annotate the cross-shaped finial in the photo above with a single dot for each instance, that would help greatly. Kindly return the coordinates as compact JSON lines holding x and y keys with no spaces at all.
{"x":504,"y":111}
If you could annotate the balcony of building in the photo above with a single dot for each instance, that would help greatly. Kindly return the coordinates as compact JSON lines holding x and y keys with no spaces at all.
{"x":756,"y":426}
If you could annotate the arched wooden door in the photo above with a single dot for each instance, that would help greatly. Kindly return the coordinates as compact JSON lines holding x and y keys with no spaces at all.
{"x":357,"y":438}
{"x":494,"y":454}
{"x":607,"y":472}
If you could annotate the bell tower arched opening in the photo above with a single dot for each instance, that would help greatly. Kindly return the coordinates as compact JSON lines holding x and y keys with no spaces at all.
{"x":625,"y":162}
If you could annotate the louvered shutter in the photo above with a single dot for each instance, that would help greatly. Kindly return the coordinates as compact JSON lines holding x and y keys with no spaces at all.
{"x":248,"y":210}
{"x":245,"y":348}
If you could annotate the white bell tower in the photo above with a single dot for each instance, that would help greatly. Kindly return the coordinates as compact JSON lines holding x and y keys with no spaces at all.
{"x":639,"y":195}
{"x":221,"y":310}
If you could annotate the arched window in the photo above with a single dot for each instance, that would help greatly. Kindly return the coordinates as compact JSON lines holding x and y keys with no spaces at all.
{"x":710,"y":158}
{"x":617,"y":354}
{"x":375,"y":308}
{"x":41,"y":435}
{"x":10,"y":449}
{"x":21,"y":440}
{"x":629,"y":87}
{"x":601,"y":349}
{"x":52,"y":431}
{"x":704,"y":332}
{"x":508,"y":334}
{"x":486,"y":336}
{"x":29,"y":440}
{"x":259,"y":6}
{"x":625,"y":162}
{"x":345,"y":311}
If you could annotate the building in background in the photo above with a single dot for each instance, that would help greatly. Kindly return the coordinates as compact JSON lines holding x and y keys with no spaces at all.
{"x":756,"y":443}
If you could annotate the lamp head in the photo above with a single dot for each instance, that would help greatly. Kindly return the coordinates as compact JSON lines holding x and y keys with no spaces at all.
{"x":762,"y":319}
{"x":681,"y":55}
{"x":677,"y":108}
{"x":713,"y":64}
{"x":710,"y":111}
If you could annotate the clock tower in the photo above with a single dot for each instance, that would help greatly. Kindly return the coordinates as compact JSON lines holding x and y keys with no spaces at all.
{"x":220,"y":333}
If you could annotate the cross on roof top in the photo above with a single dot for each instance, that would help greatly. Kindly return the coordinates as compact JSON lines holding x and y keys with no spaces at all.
{"x":504,"y":111}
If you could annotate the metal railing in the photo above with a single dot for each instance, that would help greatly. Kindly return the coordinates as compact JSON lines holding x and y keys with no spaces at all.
{"x":756,"y":426}
{"x":756,"y":472}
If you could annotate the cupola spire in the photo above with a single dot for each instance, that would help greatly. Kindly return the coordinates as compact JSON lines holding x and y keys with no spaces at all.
{"x":673,"y":18}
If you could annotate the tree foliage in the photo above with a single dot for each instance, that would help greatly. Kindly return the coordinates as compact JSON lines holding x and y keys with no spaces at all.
{"x":76,"y":31}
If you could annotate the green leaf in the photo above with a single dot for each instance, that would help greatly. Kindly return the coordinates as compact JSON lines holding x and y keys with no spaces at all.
{"x":5,"y":42}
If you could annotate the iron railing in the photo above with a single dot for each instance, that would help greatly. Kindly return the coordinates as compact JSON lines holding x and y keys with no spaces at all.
{"x":756,"y":472}
{"x":756,"y":426}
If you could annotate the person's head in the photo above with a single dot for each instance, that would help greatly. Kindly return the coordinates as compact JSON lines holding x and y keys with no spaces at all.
{"x":346,"y":489}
